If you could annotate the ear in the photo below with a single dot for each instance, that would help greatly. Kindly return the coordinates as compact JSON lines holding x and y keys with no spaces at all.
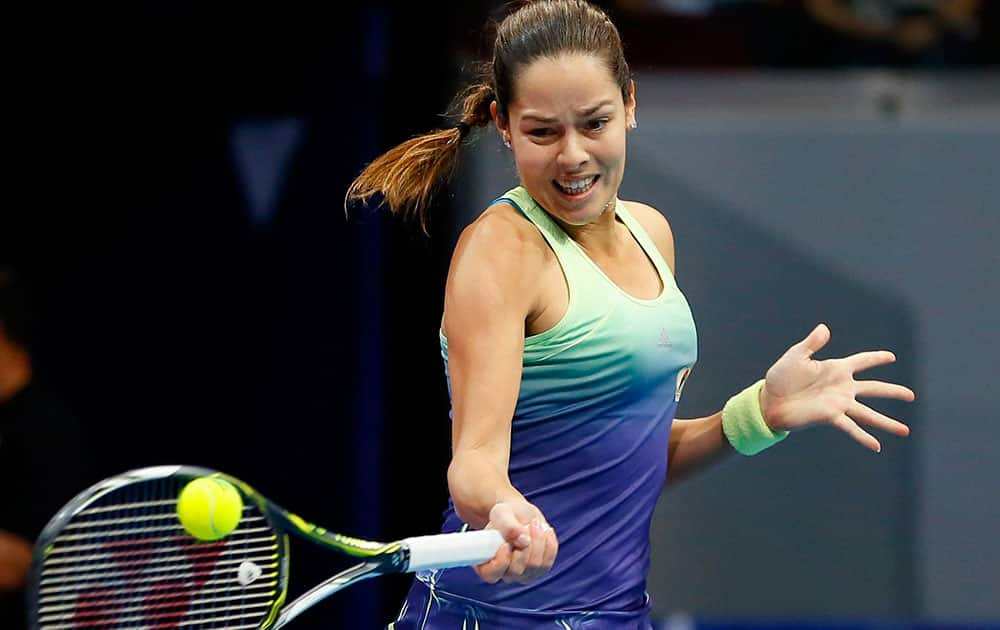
{"x":500,"y":122}
{"x":630,"y":118}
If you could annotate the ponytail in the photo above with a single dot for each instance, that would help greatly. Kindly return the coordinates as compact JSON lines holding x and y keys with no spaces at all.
{"x":407,"y":176}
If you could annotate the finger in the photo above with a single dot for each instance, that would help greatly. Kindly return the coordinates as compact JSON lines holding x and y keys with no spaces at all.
{"x":492,"y":570}
{"x":518,"y":565}
{"x":524,"y":511}
{"x":537,"y":550}
{"x":503,"y":519}
{"x":551,"y":549}
{"x":862,"y":437}
{"x":863,"y":413}
{"x":866,"y":360}
{"x":878,"y":389}
{"x":815,"y":341}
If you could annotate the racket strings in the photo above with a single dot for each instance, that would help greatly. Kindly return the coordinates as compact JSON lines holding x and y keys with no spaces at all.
{"x":71,"y":572}
{"x":169,"y":520}
{"x":169,"y":503}
{"x":163,"y":616}
{"x":69,"y":601}
{"x":126,"y":562}
{"x":134,"y":531}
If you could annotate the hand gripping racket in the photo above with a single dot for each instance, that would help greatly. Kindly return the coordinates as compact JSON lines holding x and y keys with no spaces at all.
{"x":116,"y":556}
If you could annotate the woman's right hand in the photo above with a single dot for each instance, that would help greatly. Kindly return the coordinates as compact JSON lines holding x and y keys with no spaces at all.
{"x":531,"y":544}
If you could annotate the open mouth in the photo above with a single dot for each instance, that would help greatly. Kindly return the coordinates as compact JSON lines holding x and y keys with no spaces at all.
{"x":575,"y":187}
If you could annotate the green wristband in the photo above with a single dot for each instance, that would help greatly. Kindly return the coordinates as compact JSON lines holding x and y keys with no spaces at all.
{"x":743,"y":423}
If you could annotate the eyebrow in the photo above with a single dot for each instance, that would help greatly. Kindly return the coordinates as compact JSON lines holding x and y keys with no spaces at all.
{"x":582,"y":113}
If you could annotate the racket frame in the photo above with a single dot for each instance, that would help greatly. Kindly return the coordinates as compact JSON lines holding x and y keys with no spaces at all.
{"x":378,"y":558}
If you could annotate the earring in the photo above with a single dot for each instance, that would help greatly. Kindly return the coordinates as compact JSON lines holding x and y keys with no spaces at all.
{"x":634,"y":124}
{"x":506,"y":143}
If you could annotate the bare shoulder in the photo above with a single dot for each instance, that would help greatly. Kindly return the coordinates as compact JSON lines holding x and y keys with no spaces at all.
{"x":657,"y":226}
{"x":496,"y":264}
{"x":503,"y":237}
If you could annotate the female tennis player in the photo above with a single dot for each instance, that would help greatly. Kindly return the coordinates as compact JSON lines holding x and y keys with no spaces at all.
{"x":567,"y":342}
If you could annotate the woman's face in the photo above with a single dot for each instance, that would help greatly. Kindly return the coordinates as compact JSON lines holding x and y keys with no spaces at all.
{"x":567,"y":125}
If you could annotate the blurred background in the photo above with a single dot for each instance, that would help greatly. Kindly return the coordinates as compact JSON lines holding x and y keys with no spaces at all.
{"x":196,"y":293}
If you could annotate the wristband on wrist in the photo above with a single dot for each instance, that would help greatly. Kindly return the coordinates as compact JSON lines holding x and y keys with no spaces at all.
{"x":743,"y":423}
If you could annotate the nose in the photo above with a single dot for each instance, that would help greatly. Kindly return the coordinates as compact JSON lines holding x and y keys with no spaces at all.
{"x":573,"y":153}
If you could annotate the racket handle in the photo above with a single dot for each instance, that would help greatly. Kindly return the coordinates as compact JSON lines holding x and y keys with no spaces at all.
{"x":452,"y":550}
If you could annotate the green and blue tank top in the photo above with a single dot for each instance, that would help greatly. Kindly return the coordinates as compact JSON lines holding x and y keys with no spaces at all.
{"x":590,"y":432}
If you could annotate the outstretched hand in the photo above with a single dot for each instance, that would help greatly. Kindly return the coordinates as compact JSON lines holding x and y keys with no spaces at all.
{"x":800,"y":391}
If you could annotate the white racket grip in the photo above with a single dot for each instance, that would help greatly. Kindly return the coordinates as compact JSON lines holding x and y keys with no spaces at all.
{"x":452,"y":550}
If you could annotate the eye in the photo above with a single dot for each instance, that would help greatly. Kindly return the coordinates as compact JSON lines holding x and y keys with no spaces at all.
{"x":540,"y":132}
{"x":597,"y":124}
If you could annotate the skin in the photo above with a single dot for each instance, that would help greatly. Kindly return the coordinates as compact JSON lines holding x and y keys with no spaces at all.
{"x":15,"y":560}
{"x":568,"y":121}
{"x":15,"y":550}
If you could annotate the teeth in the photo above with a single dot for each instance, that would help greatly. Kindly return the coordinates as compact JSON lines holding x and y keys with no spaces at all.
{"x":577,"y":186}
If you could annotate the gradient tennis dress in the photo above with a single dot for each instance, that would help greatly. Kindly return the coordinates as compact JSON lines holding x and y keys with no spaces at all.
{"x":588,"y":447}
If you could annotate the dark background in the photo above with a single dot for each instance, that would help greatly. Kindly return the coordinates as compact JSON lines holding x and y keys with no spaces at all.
{"x":294,"y":356}
{"x":300,"y":355}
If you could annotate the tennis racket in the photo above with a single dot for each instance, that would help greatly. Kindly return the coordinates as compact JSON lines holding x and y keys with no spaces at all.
{"x":117,"y":556}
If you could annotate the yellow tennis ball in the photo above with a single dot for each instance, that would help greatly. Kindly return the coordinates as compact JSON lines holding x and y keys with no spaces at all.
{"x":209,"y":508}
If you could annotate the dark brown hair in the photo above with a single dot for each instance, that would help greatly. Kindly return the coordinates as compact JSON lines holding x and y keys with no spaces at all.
{"x":407,"y":176}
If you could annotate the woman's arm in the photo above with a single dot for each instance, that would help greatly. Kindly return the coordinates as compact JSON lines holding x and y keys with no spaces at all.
{"x":491,"y":291}
{"x":487,"y":298}
{"x":799,"y":390}
{"x":694,"y":444}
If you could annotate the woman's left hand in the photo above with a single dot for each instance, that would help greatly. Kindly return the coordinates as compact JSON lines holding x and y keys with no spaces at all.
{"x":801,"y":391}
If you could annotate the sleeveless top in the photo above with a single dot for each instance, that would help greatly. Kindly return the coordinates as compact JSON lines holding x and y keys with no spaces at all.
{"x":590,"y":431}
